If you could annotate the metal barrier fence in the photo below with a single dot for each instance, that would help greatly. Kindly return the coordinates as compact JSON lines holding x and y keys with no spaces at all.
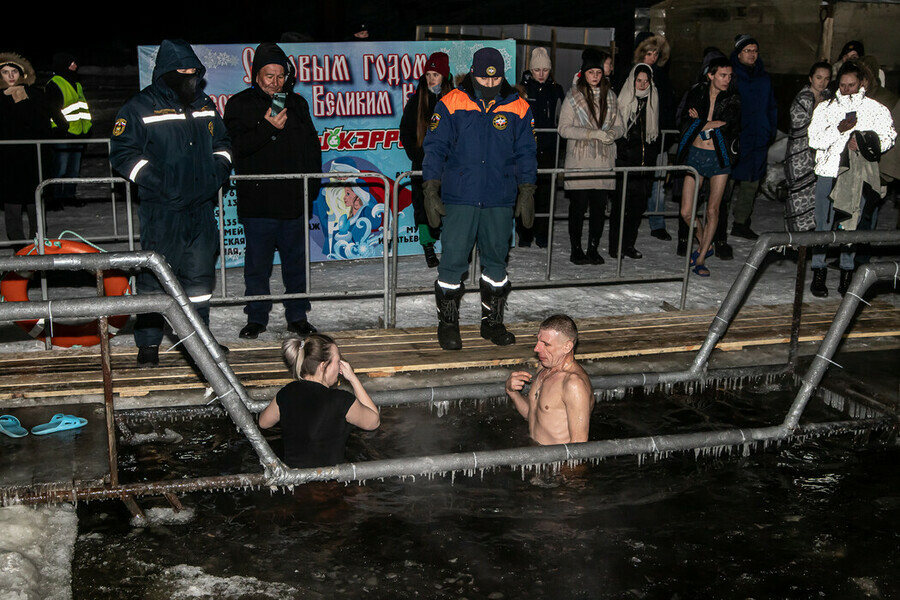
{"x":547,"y":281}
{"x":231,"y":394}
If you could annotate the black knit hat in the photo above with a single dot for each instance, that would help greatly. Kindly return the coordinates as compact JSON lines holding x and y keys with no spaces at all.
{"x":269,"y":53}
{"x":591,"y":59}
{"x":851,"y":46}
{"x":743,"y":40}
{"x":487,"y":62}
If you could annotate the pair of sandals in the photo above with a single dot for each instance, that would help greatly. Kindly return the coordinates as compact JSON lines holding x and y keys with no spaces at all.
{"x":700,"y":270}
{"x":10,"y":426}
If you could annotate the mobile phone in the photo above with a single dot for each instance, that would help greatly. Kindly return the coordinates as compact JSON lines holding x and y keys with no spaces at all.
{"x":851,"y":116}
{"x":278,"y":99}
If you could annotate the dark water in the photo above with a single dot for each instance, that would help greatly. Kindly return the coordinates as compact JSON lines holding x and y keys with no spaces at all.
{"x":816,"y":520}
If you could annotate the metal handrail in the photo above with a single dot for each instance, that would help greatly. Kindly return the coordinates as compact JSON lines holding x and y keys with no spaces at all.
{"x":547,"y":281}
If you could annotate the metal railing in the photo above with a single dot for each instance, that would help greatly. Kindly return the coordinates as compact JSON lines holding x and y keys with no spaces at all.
{"x":547,"y":280}
{"x":186,"y":323}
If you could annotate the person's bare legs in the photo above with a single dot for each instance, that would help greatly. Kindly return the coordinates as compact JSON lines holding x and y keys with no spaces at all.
{"x":687,"y":205}
{"x":716,"y":190}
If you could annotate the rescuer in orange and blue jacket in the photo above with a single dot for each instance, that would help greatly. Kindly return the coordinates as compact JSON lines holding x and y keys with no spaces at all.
{"x":479,"y":172}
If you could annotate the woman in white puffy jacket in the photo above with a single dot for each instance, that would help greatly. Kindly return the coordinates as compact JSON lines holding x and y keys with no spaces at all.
{"x":830,"y":131}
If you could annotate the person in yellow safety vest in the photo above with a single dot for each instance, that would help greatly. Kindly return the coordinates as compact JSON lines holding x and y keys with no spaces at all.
{"x":70,"y":119}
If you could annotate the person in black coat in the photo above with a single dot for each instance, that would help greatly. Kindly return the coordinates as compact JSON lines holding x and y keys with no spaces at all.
{"x":23,"y":116}
{"x":711,"y":128}
{"x":544,"y":96}
{"x":271,"y":137}
{"x":638,"y":105}
{"x":433,"y":84}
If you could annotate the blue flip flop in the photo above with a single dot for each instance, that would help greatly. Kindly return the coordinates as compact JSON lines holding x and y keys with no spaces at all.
{"x":696,"y":254}
{"x":9,"y":425}
{"x":59,"y":422}
{"x":700,"y":270}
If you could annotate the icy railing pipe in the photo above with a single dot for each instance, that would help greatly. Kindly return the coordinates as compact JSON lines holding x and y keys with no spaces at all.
{"x":704,"y":441}
{"x":174,"y":305}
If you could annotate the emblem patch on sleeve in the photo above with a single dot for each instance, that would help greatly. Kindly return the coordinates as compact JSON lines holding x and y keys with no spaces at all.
{"x":212,"y":130}
{"x":119,"y":127}
{"x":500,"y":122}
{"x":435,"y":119}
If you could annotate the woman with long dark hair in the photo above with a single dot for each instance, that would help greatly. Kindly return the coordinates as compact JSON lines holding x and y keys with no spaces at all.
{"x":800,"y":159}
{"x":589,"y":122}
{"x":709,"y":143}
{"x":433,"y":84}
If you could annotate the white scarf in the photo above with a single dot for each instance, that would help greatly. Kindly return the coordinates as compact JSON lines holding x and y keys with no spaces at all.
{"x":628,"y":105}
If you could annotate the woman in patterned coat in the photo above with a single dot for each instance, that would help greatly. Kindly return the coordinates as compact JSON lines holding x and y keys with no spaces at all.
{"x":799,"y":162}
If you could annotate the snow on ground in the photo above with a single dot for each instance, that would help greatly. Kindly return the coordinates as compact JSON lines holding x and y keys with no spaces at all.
{"x":774,"y":285}
{"x":36,"y":549}
{"x":36,"y":545}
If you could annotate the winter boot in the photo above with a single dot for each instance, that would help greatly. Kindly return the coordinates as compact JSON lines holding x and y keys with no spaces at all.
{"x":431,"y":258}
{"x":846,"y":278}
{"x":817,"y":287}
{"x":593,"y":256}
{"x":448,"y":316}
{"x":493,"y":302}
{"x":577,"y":256}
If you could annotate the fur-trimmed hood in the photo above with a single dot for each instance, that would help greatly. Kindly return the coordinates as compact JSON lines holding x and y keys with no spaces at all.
{"x":28,"y":74}
{"x":651,"y":42}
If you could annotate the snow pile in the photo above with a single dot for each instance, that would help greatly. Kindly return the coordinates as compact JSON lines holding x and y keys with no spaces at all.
{"x":36,"y":549}
{"x":183,"y":582}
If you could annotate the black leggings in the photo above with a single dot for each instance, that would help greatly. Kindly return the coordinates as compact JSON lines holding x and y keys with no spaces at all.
{"x":579,"y":200}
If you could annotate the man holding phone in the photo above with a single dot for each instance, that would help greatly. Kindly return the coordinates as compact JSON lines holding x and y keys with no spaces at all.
{"x":272,"y":133}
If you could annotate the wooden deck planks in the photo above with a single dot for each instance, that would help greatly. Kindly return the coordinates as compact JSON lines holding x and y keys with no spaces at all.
{"x":381,"y":353}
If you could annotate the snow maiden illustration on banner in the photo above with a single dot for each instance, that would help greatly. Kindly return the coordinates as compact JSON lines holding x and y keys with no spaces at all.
{"x":356,"y":93}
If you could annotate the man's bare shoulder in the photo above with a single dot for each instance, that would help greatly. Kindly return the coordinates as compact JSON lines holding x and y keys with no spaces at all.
{"x":576,"y":379}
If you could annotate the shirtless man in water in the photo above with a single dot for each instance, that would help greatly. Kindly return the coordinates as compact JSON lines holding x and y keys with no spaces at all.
{"x":558,"y":406}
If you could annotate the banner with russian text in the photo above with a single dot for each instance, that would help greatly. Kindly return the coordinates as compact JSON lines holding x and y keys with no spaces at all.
{"x":356,"y":93}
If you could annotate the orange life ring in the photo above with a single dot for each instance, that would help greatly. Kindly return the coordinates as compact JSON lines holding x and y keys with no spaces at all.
{"x":14,"y":288}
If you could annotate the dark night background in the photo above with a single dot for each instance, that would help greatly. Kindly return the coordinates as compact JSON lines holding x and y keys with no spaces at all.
{"x":110,"y":38}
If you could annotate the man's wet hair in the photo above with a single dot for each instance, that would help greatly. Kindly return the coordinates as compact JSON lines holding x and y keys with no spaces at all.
{"x":563,"y":324}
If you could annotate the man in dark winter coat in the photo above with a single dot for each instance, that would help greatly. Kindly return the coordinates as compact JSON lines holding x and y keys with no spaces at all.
{"x":758,"y":127}
{"x":273,"y":140}
{"x":480,"y":164}
{"x":171,"y":142}
{"x":544,"y":97}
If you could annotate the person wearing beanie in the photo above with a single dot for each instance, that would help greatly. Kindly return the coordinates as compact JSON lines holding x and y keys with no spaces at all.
{"x":71,"y":119}
{"x":170,"y":141}
{"x":267,"y":140}
{"x":434,"y":84}
{"x":544,"y":96}
{"x":479,"y":172}
{"x":589,"y":123}
{"x":852,"y":50}
{"x":23,"y":116}
{"x":759,"y":114}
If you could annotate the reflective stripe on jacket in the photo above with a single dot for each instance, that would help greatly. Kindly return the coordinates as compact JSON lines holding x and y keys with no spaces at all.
{"x":75,"y":107}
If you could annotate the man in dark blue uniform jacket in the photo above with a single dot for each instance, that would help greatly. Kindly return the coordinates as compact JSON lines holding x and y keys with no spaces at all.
{"x":171,"y":142}
{"x":480,"y":164}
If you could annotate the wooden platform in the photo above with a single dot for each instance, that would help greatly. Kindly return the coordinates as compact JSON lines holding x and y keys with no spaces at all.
{"x":382,"y":353}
